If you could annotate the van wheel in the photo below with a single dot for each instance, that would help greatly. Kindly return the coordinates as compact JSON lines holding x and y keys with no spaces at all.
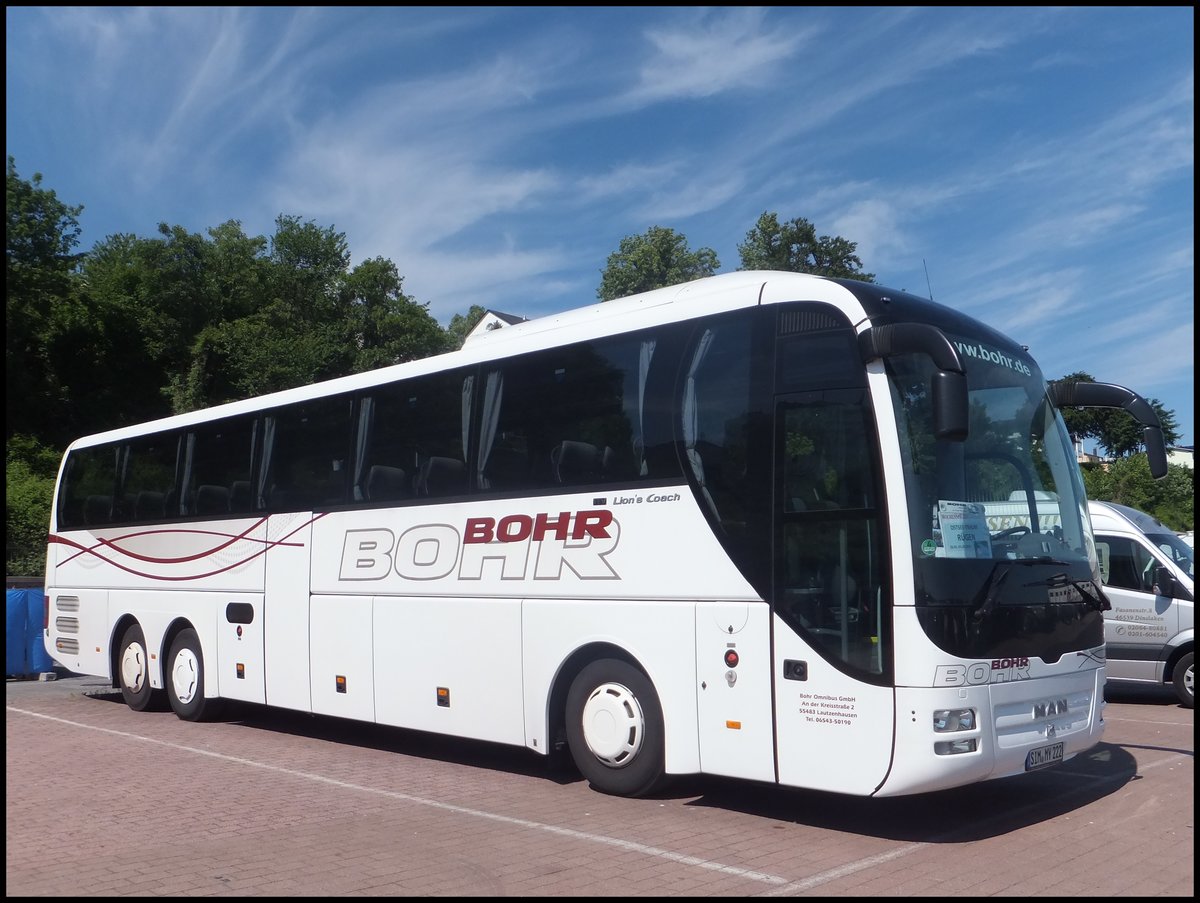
{"x":1184,"y":678}
{"x":185,"y":679}
{"x":133,"y":672}
{"x":615,"y":729}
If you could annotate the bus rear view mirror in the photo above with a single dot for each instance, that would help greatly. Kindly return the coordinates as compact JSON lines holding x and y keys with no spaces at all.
{"x":949,"y":389}
{"x":1067,"y":393}
{"x":950,"y":405}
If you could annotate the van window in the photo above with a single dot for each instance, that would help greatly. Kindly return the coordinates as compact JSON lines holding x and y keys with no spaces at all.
{"x":1125,"y":564}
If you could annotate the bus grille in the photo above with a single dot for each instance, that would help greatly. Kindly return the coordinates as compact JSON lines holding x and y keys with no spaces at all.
{"x":1025,"y":721}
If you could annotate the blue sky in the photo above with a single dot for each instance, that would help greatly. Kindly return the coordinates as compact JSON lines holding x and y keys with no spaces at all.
{"x":1032,"y":167}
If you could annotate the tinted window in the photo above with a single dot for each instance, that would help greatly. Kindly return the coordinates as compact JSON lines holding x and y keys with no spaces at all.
{"x":716,"y":418}
{"x":308,"y":452}
{"x":412,"y":439}
{"x":572,"y":416}
{"x":89,"y":481}
{"x":149,"y":490}
{"x":221,"y":457}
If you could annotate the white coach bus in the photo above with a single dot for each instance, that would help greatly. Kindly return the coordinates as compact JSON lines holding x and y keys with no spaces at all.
{"x":730,"y":527}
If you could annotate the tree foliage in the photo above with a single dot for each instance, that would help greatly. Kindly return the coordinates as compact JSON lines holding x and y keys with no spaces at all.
{"x":41,"y":303}
{"x":795,"y":247}
{"x":1127,"y":481}
{"x":462,"y":324}
{"x":654,"y":259}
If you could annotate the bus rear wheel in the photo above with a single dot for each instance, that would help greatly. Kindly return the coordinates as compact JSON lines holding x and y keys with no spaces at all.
{"x":615,"y":729}
{"x":133,"y":672}
{"x":1184,"y":678}
{"x":185,"y":679}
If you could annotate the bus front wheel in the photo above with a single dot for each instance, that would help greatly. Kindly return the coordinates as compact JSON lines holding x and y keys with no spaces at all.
{"x":185,"y":679}
{"x":615,"y":728}
{"x":1184,"y":678}
{"x":133,"y":669}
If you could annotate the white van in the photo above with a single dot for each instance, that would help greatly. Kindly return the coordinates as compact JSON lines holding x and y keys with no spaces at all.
{"x":1148,"y":574}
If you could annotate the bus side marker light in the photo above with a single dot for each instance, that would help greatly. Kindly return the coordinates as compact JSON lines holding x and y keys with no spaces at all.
{"x":340,"y":680}
{"x":241,"y":671}
{"x":734,"y":725}
{"x":443,"y":697}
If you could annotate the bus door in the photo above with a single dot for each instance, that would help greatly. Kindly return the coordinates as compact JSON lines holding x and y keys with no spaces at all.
{"x":286,"y":610}
{"x":834,"y":706}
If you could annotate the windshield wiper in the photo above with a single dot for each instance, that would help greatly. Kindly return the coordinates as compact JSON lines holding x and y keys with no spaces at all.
{"x":1091,"y":592}
{"x":991,"y":588}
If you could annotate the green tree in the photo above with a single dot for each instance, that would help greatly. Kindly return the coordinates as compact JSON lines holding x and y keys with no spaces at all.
{"x":29,"y":473}
{"x":462,"y":324}
{"x":1127,"y":481}
{"x":657,"y":258}
{"x":385,"y":325}
{"x":40,"y":263}
{"x":795,"y":247}
{"x":154,"y":296}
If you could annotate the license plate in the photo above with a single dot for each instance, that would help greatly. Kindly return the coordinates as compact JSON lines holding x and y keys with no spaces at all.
{"x":1043,"y":756}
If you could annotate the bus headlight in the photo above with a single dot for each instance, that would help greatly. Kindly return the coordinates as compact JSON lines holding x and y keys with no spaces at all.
{"x":947,"y":720}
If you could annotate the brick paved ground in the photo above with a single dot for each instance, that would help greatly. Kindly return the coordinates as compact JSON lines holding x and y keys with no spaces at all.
{"x":105,"y":801}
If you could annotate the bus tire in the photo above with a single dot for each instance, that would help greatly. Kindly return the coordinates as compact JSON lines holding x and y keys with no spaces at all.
{"x":133,"y":672}
{"x":185,"y":679}
{"x":1184,"y":678}
{"x":615,"y":729}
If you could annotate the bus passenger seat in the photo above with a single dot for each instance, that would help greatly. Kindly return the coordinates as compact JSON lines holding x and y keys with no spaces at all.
{"x":239,"y":496}
{"x":148,"y":505}
{"x":212,"y":500}
{"x":576,"y":462}
{"x":386,"y":483}
{"x":441,"y":476}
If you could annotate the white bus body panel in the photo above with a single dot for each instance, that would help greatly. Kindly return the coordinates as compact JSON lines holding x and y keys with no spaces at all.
{"x":1005,"y":742}
{"x":286,"y":611}
{"x":658,"y":636}
{"x":85,"y":619}
{"x":158,"y":575}
{"x":734,"y":704}
{"x":1032,"y":704}
{"x":341,"y":661}
{"x":471,"y":648}
{"x":238,"y":645}
{"x":533,"y":549}
{"x":835,"y":732}
{"x":223,"y":555}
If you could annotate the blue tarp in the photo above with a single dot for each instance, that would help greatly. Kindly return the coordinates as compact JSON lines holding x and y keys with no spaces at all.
{"x":24,"y":653}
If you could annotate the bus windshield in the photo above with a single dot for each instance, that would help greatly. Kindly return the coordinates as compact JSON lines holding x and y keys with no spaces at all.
{"x":1003,"y":555}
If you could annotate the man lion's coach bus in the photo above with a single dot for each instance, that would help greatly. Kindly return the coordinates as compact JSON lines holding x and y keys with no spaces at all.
{"x":731,"y":527}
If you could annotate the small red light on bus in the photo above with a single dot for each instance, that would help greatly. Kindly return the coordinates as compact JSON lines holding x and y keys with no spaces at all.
{"x":731,"y":658}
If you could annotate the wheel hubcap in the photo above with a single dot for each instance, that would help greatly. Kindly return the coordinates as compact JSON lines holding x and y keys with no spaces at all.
{"x":133,"y":667}
{"x":185,"y":675}
{"x":613,"y":725}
